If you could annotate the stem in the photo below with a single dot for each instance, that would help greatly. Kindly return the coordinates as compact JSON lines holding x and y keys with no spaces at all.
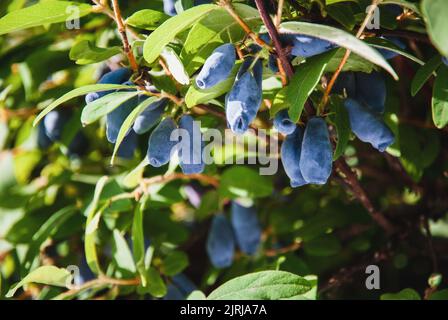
{"x":273,"y":33}
{"x":344,"y":60}
{"x":278,"y":18}
{"x":124,"y":37}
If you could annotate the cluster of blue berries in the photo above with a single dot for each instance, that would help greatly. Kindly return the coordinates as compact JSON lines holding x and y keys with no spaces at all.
{"x":161,"y":143}
{"x":365,"y":103}
{"x":243,"y":229}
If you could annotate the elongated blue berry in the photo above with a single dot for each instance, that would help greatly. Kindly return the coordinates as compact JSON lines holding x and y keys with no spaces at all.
{"x":244,"y":99}
{"x":367,"y":126}
{"x":190,"y":151}
{"x":220,"y":242}
{"x":283,"y":123}
{"x":217,"y":67}
{"x":149,"y":117}
{"x":113,"y":77}
{"x":290,"y":153}
{"x":346,"y":83}
{"x":115,"y":119}
{"x":160,"y":146}
{"x":307,"y":46}
{"x":246,"y":227}
{"x":371,"y":89}
{"x":54,"y":123}
{"x":128,"y":145}
{"x":169,"y":7}
{"x":316,"y":159}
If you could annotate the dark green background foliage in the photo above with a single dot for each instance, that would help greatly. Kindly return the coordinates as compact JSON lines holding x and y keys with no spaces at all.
{"x":132,"y":228}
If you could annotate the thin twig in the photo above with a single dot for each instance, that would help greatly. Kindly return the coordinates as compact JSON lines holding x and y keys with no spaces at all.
{"x":124,"y":38}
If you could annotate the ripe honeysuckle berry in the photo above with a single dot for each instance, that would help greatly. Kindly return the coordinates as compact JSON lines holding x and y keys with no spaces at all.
{"x":290,"y":155}
{"x":217,"y":67}
{"x":54,"y":123}
{"x":169,"y":7}
{"x":316,"y":159}
{"x":180,"y":288}
{"x":115,"y":119}
{"x":113,"y":77}
{"x":244,"y":99}
{"x":128,"y":145}
{"x":307,"y":46}
{"x":149,"y":117}
{"x":190,"y":151}
{"x":346,"y":84}
{"x":160,"y":146}
{"x":220,"y":242}
{"x":445,"y":60}
{"x":246,"y":227}
{"x":43,"y":141}
{"x":371,"y":90}
{"x":367,"y":126}
{"x":283,"y":123}
{"x":389,"y":54}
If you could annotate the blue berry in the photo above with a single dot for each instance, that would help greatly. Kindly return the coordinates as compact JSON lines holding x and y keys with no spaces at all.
{"x":43,"y":141}
{"x":149,"y":117}
{"x":246,"y":227}
{"x":367,"y":126}
{"x":290,"y":155}
{"x":54,"y":123}
{"x":169,"y":7}
{"x":160,"y":145}
{"x":190,"y":154}
{"x":114,"y":77}
{"x":217,"y":67}
{"x":346,"y":82}
{"x":283,"y":123}
{"x":307,"y":46}
{"x":371,"y":89}
{"x":244,"y":99}
{"x":220,"y":242}
{"x":115,"y":119}
{"x":128,"y":145}
{"x":316,"y":159}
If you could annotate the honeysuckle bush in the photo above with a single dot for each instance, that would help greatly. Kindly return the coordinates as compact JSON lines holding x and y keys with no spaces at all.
{"x":97,"y":202}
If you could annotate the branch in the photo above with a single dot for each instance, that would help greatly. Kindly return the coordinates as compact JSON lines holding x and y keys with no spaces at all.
{"x":124,"y":37}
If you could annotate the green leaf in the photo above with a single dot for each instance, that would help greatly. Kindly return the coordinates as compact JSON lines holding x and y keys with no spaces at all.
{"x":264,"y":285}
{"x":132,"y":179}
{"x":405,"y":294}
{"x":424,"y":73}
{"x":175,"y":65}
{"x":403,"y":3}
{"x":439,"y":295}
{"x":216,"y":28}
{"x":440,"y":98}
{"x":138,"y":241}
{"x":93,"y":219}
{"x":147,"y":19}
{"x":49,"y":275}
{"x":128,"y":123}
{"x":84,"y":52}
{"x":76,"y":93}
{"x":104,"y":105}
{"x":389,"y":45}
{"x":46,"y":230}
{"x":156,"y":286}
{"x":164,"y":34}
{"x":122,"y":253}
{"x":302,"y":84}
{"x":196,"y":295}
{"x":342,"y":14}
{"x":435,"y":13}
{"x":242,"y":182}
{"x":342,"y":123}
{"x":175,"y":263}
{"x":341,"y":38}
{"x":42,"y":14}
